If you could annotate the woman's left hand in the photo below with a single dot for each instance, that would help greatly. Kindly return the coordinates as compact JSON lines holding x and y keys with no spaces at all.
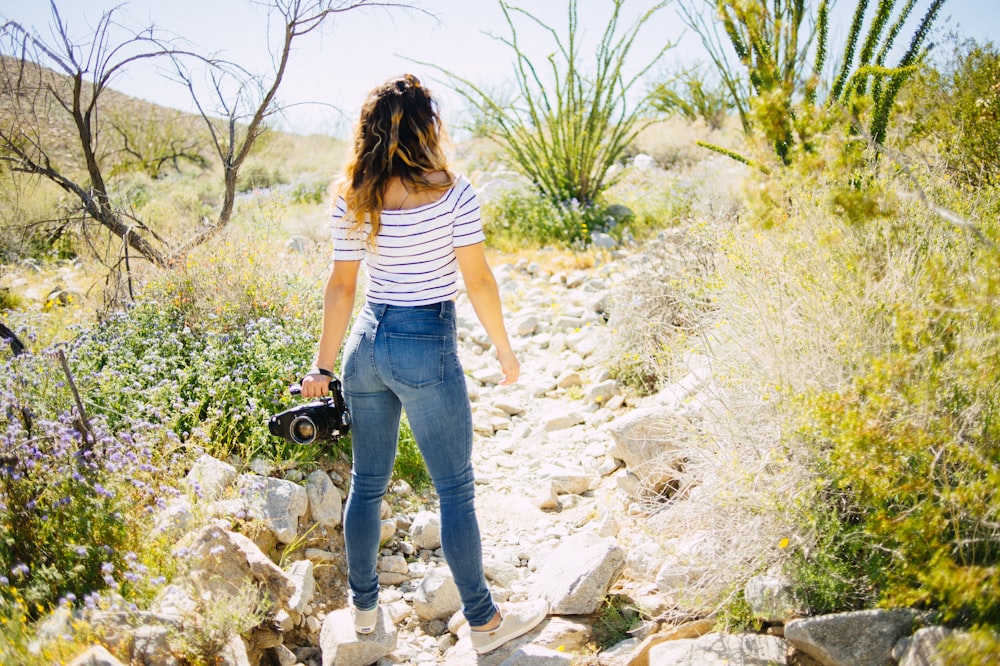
{"x":510,"y":366}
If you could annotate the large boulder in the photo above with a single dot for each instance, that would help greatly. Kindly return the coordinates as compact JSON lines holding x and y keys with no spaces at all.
{"x":644,"y":441}
{"x":221,"y":562}
{"x":861,"y":638}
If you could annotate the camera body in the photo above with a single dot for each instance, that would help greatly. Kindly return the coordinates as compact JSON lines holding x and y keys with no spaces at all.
{"x":323,"y":419}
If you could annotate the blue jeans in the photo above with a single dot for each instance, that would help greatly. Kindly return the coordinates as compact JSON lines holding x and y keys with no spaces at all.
{"x":406,"y":358}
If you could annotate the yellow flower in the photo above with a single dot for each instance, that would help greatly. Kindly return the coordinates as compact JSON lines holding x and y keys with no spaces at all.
{"x":783,"y":543}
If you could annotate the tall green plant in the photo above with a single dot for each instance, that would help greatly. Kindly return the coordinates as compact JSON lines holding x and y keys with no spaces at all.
{"x":564,"y":133}
{"x":783,"y":50}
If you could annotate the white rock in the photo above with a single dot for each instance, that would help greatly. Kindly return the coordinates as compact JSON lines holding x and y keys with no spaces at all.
{"x":210,"y":476}
{"x":325,"y":500}
{"x":278,"y":503}
{"x":578,"y":574}
{"x":437,"y":598}
{"x":301,"y":575}
{"x":426,"y":530}
{"x":342,"y":646}
{"x":561,"y":421}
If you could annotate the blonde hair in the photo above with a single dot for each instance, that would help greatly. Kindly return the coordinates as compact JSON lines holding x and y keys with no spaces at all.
{"x":399,"y":134}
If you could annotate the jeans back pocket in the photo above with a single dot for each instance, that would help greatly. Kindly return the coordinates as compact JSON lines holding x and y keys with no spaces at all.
{"x":416,"y":360}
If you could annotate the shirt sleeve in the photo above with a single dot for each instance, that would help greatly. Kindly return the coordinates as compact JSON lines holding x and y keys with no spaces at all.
{"x":468,"y":228}
{"x":346,"y":246}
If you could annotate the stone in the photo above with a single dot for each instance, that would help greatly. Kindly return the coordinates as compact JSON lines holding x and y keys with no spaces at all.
{"x":436,"y":598}
{"x":602,"y":240}
{"x":547,"y":497}
{"x":96,"y":655}
{"x":283,"y":656}
{"x":394,"y":564}
{"x":388,"y":530}
{"x":643,"y":436}
{"x":526,"y":324}
{"x":562,"y":421}
{"x":325,"y":500}
{"x":602,"y":392}
{"x":150,"y":644}
{"x":426,"y":530}
{"x":176,"y":518}
{"x":536,"y":655}
{"x":278,"y":503}
{"x":860,"y":638}
{"x":567,"y":481}
{"x":209,"y":477}
{"x":301,"y":575}
{"x":569,"y":379}
{"x":921,"y":648}
{"x":340,"y":645}
{"x":221,"y":561}
{"x":490,"y":375}
{"x":577,"y":575}
{"x":233,"y":653}
{"x":720,"y":650}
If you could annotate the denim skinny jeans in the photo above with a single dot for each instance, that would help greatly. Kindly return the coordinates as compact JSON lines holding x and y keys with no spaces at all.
{"x":396,"y":358}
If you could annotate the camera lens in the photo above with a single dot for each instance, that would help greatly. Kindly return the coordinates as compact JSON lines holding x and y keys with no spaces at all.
{"x":303,"y":430}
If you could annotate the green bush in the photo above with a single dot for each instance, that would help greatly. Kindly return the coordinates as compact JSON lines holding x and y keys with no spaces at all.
{"x":522,"y":217}
{"x":208,"y":351}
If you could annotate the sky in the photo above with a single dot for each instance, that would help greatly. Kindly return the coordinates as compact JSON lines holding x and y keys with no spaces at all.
{"x":331,"y":70}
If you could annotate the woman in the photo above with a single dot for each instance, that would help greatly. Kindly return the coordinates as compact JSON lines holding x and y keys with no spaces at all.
{"x":415,"y":224}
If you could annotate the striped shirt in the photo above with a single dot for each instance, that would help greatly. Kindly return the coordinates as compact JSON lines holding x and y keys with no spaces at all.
{"x":414,"y":261}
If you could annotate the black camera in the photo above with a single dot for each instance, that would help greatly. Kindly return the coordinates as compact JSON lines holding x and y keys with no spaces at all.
{"x":323,"y":419}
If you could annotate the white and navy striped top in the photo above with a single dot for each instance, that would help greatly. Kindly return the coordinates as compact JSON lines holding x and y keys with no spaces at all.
{"x":414,"y":262}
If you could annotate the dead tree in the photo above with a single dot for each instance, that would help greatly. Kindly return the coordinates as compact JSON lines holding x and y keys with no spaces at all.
{"x":42,"y":79}
{"x":246,"y":112}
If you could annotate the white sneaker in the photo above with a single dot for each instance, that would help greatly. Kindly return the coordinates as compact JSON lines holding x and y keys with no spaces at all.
{"x":365,"y":620}
{"x":515,"y":620}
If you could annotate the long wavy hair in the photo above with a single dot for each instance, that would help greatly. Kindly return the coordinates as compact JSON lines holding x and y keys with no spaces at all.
{"x":399,"y":134}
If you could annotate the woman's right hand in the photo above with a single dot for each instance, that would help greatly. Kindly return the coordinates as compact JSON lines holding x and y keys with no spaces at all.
{"x":315,"y":385}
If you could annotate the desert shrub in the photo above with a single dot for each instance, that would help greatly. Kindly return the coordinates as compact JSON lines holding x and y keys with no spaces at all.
{"x":913,"y":442}
{"x":979,"y":647}
{"x":662,"y":301}
{"x":214,"y":384}
{"x":75,"y":504}
{"x":955,"y":106}
{"x":313,"y":192}
{"x":213,"y":620}
{"x":258,"y":176}
{"x":853,"y":367}
{"x":616,"y":617}
{"x":691,"y":94}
